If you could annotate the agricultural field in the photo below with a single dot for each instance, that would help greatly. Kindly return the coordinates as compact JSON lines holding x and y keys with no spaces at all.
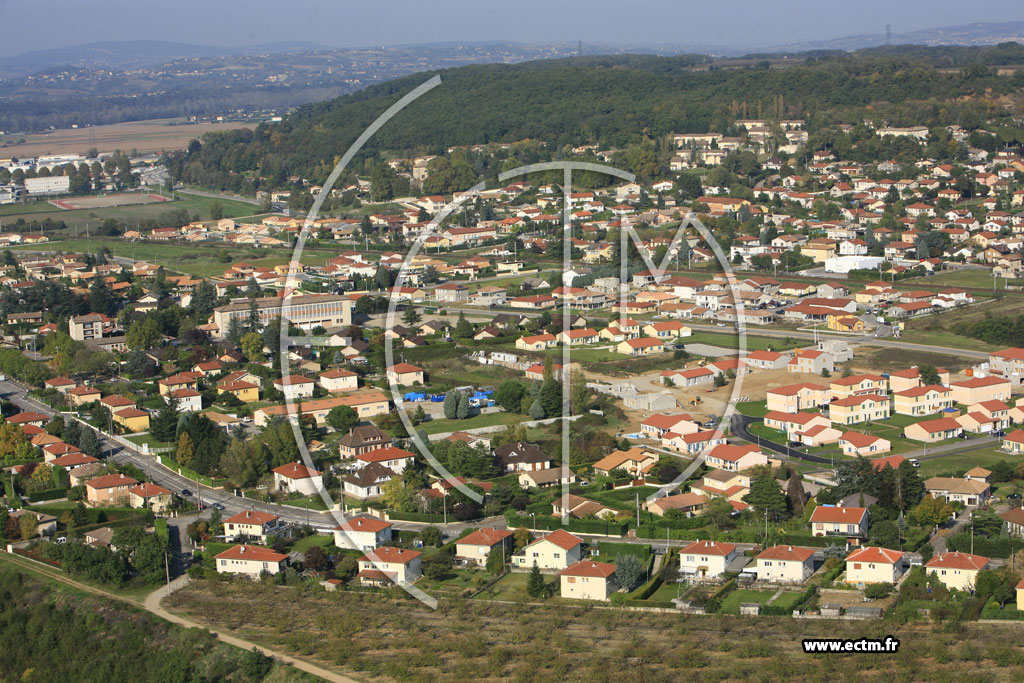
{"x":154,"y":135}
{"x":480,"y":640}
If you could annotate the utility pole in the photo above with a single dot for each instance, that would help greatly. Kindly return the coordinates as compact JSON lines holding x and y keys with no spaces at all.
{"x":167,"y":570}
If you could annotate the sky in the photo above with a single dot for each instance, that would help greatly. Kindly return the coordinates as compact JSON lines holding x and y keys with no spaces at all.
{"x":27,"y":25}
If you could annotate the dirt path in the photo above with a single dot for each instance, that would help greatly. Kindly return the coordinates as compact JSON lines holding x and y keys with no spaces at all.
{"x":152,"y":604}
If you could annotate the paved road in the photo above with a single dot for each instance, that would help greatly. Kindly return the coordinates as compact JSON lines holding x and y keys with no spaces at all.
{"x":739,"y":428}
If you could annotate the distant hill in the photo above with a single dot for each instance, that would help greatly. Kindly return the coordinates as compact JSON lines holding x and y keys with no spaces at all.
{"x":617,"y":101}
{"x":127,"y":55}
{"x":967,"y":34}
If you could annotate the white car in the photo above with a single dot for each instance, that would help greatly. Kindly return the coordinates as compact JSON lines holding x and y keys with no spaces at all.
{"x":915,"y":462}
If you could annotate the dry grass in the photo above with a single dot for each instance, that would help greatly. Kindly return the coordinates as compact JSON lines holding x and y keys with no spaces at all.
{"x":146,"y":136}
{"x":385,"y":637}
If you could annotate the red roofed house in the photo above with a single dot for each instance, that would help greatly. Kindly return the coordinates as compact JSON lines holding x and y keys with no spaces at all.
{"x":476,"y":546}
{"x":387,"y":565}
{"x":957,"y":570}
{"x":395,"y":459}
{"x":810,"y":360}
{"x":295,"y":386}
{"x":979,"y":389}
{"x":707,"y":559}
{"x":930,"y":431}
{"x":767,"y":360}
{"x":588,"y":580}
{"x":110,"y":489}
{"x":405,"y":374}
{"x":251,"y":560}
{"x":556,"y":551}
{"x":150,"y":496}
{"x":362,"y":533}
{"x":735,"y":458}
{"x":250,"y":524}
{"x":855,"y":444}
{"x":785,"y":564}
{"x":828,"y":520}
{"x":29,"y":418}
{"x":297,"y":477}
{"x":796,"y":397}
{"x":874,"y":565}
{"x":339,"y":380}
{"x":657,"y":425}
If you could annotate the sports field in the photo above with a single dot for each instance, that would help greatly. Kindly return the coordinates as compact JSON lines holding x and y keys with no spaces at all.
{"x":107,"y":200}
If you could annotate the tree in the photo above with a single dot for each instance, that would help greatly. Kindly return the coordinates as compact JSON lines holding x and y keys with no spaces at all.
{"x":438,"y":567}
{"x":933,"y":511}
{"x":629,"y":571}
{"x":496,"y":560}
{"x":719,"y":512}
{"x":462,"y":409}
{"x":536,"y":410}
{"x":164,"y":427}
{"x":766,"y":496}
{"x":929,"y":375}
{"x":243,"y":462}
{"x":316,"y":559}
{"x":28,"y":526}
{"x":185,"y":452}
{"x":795,"y":494}
{"x":431,"y":536}
{"x":88,"y":442}
{"x":342,"y":419}
{"x":204,"y":300}
{"x":398,"y":496}
{"x":101,"y":300}
{"x":550,"y":397}
{"x":143,"y":334}
{"x":11,"y":436}
{"x":521,"y":538}
{"x":235,"y":330}
{"x":463,"y":328}
{"x":451,"y":405}
{"x":535,"y":586}
{"x":411,"y":316}
{"x":509,"y":395}
{"x":719,"y":380}
{"x":252,"y":346}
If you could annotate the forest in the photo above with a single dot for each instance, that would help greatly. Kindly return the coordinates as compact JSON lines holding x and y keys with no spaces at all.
{"x":614,"y":102}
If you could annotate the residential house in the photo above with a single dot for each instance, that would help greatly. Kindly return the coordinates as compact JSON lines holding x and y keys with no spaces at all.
{"x":957,"y":570}
{"x":556,"y":551}
{"x":735,"y":458}
{"x":251,"y":560}
{"x":362,"y":533}
{"x":588,"y":580}
{"x":923,"y":400}
{"x":851,"y":522}
{"x":932,"y":431}
{"x":795,"y":397}
{"x":475,"y":547}
{"x":857,"y":444}
{"x":150,"y":496}
{"x":785,"y":564}
{"x":857,"y":409}
{"x":110,"y":489}
{"x":874,"y":565}
{"x":296,"y":477}
{"x":707,"y":559}
{"x":250,"y":525}
{"x":965,"y":490}
{"x":388,"y":565}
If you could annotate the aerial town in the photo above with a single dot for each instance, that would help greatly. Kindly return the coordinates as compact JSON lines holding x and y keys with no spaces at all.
{"x":771,"y":378}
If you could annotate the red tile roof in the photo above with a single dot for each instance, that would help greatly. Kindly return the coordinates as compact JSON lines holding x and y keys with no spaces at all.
{"x":958,"y":560}
{"x":252,"y":517}
{"x":371,"y":524}
{"x":295,"y":470}
{"x":837,"y":515}
{"x":251,"y":552}
{"x":709,"y":548}
{"x":486,"y":537}
{"x":389,"y":555}
{"x":792,"y":553}
{"x":589,"y":568}
{"x":563,"y":539}
{"x":111,"y":480}
{"x":879,"y":555}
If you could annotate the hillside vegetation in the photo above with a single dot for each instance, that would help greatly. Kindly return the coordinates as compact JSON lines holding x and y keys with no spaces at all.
{"x":613,"y":101}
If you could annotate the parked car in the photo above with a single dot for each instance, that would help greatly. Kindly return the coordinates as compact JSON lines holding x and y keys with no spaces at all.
{"x":219,"y":506}
{"x":915,"y":462}
{"x":1014,"y":496}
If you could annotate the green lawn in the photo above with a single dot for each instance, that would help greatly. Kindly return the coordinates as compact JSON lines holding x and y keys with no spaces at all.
{"x":959,"y":278}
{"x":731,"y":603}
{"x":956,"y":463}
{"x":624,"y":498}
{"x":130,"y":214}
{"x":314,"y":540}
{"x":753,"y":408}
{"x":457,"y":580}
{"x":148,"y":440}
{"x":512,"y":586}
{"x":947,"y":339}
{"x":731,"y":340}
{"x":482,"y":420}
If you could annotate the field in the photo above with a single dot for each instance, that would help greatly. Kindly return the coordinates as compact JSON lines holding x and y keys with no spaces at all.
{"x":968,"y":277}
{"x":731,"y":603}
{"x":107,"y":200}
{"x":131,"y":215}
{"x":202,"y":261}
{"x":153,"y":135}
{"x":957,"y":463}
{"x":388,"y":636}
